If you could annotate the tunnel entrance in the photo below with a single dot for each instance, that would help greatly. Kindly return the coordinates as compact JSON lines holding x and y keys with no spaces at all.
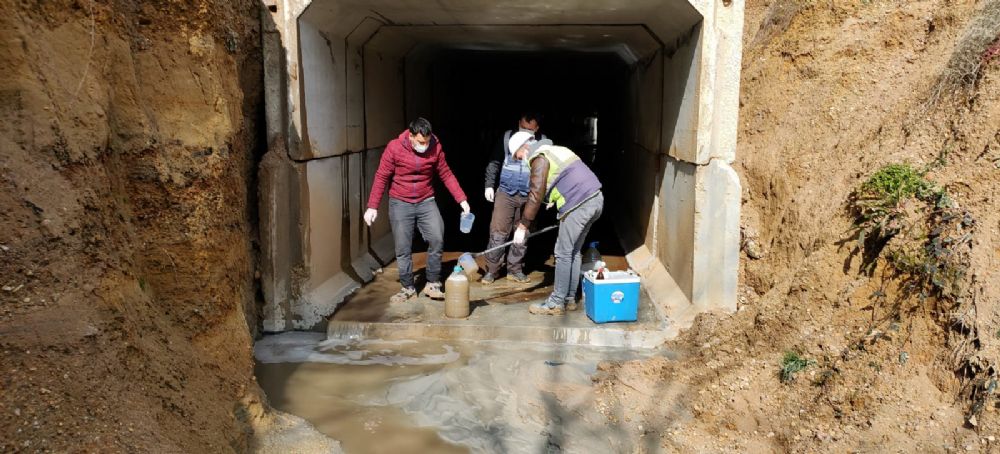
{"x":658,"y":78}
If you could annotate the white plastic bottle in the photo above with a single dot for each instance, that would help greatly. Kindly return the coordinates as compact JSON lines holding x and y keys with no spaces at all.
{"x":590,"y":257}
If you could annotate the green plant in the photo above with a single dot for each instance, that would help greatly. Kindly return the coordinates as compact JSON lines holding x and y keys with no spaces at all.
{"x":947,"y":249}
{"x":924,"y":236}
{"x":793,"y":363}
{"x":926,"y":243}
{"x":883,"y":208}
{"x":897,"y":181}
{"x":911,"y":261}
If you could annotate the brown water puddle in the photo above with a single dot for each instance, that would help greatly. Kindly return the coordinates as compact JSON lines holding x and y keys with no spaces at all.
{"x":377,"y":396}
{"x":331,"y":397}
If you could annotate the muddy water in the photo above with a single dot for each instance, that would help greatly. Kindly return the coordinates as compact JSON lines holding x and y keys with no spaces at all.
{"x":456,"y":295}
{"x":405,"y":397}
{"x":336,"y":387}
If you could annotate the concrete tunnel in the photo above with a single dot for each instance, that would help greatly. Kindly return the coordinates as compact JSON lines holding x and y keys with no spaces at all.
{"x":343,"y":78}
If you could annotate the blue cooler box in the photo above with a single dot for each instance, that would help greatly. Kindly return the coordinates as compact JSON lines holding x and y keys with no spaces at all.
{"x":613,"y":299}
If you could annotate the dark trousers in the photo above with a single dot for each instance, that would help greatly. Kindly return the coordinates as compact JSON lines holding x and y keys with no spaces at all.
{"x":507,"y":210}
{"x":425,"y":215}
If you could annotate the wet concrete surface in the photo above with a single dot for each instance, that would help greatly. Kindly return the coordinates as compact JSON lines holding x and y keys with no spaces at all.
{"x":499,"y":312}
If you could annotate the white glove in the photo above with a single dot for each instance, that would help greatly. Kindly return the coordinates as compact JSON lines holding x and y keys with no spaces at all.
{"x":520,"y":235}
{"x":489,"y":195}
{"x":370,"y":216}
{"x":466,"y":209}
{"x":548,"y":206}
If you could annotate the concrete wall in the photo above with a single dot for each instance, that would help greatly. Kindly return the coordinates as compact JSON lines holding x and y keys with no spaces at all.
{"x":692,"y":231}
{"x":716,"y":237}
{"x":339,"y":256}
{"x":326,"y":280}
{"x":649,"y":102}
{"x":381,"y":246}
{"x":281,"y":250}
{"x":675,"y":230}
{"x":384,"y":96}
{"x":674,"y":236}
{"x":317,"y":176}
{"x":660,"y":202}
{"x":682,"y":70}
{"x":324,"y":83}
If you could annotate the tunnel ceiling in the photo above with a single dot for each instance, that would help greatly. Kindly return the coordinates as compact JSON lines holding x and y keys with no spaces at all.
{"x":630,"y":42}
{"x":629,"y":28}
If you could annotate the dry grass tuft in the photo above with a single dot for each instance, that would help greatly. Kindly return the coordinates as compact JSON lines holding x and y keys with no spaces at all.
{"x":975,"y":49}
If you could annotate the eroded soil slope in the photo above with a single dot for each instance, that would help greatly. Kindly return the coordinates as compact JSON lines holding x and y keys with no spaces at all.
{"x":128,"y":137}
{"x":832,"y":91}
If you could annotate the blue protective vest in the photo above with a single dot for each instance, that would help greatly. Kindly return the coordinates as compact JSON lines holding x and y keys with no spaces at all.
{"x":515,"y":176}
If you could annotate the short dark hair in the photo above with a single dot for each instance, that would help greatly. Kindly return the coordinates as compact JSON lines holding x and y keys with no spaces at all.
{"x":530,"y":116}
{"x":421,"y":126}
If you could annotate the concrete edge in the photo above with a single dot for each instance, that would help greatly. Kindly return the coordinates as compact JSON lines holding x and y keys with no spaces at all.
{"x":598,"y":336}
{"x":669,"y":301}
{"x":322,"y":301}
{"x":717,"y":216}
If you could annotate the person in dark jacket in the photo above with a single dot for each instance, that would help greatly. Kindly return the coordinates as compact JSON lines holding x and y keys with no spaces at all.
{"x":509,"y":193}
{"x":408,"y":166}
{"x":560,"y":177}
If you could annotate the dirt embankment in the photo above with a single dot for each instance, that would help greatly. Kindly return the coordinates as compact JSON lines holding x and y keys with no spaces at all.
{"x":832,"y":91}
{"x":129,"y":133}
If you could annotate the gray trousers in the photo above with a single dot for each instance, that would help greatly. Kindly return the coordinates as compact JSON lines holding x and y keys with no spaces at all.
{"x":507,"y":211}
{"x":573,"y":231}
{"x":426,"y":217}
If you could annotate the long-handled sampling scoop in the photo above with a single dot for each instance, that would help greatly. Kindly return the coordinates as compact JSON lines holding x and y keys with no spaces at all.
{"x":468,"y":260}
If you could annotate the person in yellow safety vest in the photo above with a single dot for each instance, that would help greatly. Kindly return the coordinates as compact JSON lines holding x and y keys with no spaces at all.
{"x":559,"y":176}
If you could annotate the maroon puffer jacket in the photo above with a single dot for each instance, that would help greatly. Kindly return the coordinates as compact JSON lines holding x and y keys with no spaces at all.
{"x":412,"y":173}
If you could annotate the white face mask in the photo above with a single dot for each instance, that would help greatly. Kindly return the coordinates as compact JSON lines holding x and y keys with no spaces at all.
{"x":417,"y":147}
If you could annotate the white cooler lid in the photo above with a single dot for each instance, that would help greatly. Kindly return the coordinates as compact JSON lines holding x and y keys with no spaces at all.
{"x":616,"y":277}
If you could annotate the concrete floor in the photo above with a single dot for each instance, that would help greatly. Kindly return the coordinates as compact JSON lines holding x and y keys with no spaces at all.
{"x":499,"y":312}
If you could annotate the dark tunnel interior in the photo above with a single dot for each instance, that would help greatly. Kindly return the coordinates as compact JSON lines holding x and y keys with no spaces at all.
{"x":477,"y":95}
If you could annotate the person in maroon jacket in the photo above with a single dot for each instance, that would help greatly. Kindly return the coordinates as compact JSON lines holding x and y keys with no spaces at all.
{"x":408,"y":166}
